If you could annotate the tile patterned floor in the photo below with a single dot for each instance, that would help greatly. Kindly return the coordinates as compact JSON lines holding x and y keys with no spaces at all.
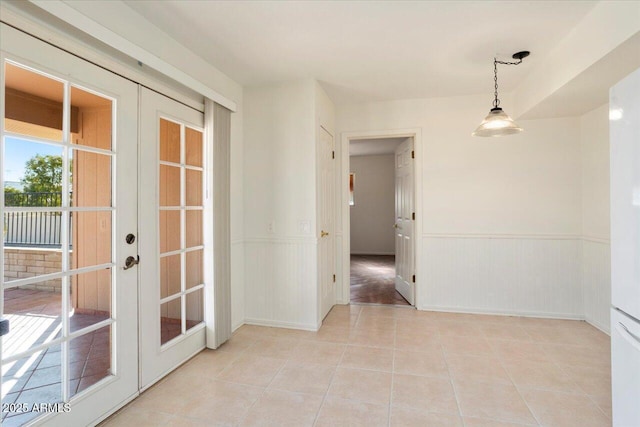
{"x":373,"y":280}
{"x":35,"y":319}
{"x":391,"y":366}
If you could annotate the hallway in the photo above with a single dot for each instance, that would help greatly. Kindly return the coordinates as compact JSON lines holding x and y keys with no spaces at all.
{"x":372,"y":280}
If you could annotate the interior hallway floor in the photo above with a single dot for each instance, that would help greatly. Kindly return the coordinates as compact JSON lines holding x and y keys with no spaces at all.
{"x":391,"y":366}
{"x":373,"y":280}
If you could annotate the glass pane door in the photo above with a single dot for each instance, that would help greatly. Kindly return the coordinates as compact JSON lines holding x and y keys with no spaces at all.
{"x":172,"y":209}
{"x":59,"y":277}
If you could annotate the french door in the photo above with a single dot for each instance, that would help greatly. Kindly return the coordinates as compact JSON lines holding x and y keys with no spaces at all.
{"x":173,"y":230}
{"x":69,"y":178}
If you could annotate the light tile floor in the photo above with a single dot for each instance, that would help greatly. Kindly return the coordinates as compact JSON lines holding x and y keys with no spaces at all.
{"x":391,"y":366}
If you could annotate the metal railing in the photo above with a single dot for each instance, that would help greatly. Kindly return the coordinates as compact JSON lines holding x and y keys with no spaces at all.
{"x":30,"y":228}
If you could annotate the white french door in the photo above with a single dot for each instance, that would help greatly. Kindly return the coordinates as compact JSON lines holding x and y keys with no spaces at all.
{"x":69,"y":180}
{"x":173,"y":230}
{"x":404,"y":223}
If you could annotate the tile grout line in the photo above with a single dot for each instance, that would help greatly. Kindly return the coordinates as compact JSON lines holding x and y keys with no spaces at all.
{"x":455,"y":392}
{"x":326,"y":393}
{"x":518,"y":390}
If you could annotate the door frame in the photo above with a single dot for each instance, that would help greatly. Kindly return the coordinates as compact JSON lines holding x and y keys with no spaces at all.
{"x":344,"y":234}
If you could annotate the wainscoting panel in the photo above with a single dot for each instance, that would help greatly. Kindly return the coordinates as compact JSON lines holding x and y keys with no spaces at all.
{"x":237,"y":284}
{"x":596,"y":282}
{"x":280,"y":283}
{"x":513,"y":275}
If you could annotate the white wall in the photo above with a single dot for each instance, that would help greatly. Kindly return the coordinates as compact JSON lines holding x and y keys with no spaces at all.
{"x":596,"y":247}
{"x":279,"y":196}
{"x":500,"y":216}
{"x":373,"y":214}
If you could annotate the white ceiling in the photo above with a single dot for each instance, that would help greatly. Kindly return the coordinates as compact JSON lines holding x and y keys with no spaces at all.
{"x":374,"y":146}
{"x":369,"y":51}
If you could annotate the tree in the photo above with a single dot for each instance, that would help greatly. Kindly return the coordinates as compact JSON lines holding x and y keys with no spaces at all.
{"x":43,"y":174}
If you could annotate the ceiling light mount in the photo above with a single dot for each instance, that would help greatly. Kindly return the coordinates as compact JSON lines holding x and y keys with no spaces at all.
{"x":498,"y":123}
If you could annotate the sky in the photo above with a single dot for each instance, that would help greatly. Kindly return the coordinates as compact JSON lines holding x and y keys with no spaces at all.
{"x":18,"y":151}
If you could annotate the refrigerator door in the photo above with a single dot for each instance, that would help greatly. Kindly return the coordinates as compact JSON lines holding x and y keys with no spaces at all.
{"x":624,"y":128}
{"x":625,"y":369}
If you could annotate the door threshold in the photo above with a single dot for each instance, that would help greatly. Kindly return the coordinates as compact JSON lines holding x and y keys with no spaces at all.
{"x":375,"y":304}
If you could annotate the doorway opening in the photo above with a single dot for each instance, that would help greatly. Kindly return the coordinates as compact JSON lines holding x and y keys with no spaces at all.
{"x":381,"y":220}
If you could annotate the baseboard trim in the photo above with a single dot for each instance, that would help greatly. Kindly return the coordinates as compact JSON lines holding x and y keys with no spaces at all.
{"x":281,"y":324}
{"x":598,"y":326}
{"x":540,"y":314}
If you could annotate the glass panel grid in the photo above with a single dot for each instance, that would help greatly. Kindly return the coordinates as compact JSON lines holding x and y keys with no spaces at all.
{"x":52,"y":348}
{"x":183,"y":196}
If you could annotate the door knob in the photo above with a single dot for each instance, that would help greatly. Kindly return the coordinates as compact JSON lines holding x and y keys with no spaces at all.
{"x":396,"y":226}
{"x":324,"y":233}
{"x":130,"y":262}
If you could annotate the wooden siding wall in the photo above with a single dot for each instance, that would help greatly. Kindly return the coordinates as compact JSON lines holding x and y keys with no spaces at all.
{"x":92,"y":230}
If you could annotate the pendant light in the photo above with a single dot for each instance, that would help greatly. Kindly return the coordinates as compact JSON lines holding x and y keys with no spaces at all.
{"x":497,"y":122}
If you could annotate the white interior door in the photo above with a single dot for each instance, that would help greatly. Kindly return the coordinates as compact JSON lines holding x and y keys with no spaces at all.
{"x":172,"y":235}
{"x":404,"y":224}
{"x":69,"y":171}
{"x":326,"y":243}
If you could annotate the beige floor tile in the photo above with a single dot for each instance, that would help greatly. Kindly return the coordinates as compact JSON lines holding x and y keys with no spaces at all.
{"x":604,"y":403}
{"x":208,"y":363}
{"x":410,"y":324}
{"x":378,"y":310}
{"x":376,"y":359}
{"x":425,"y":393}
{"x":415,"y":341}
{"x":281,"y":408}
{"x":509,"y":332}
{"x":272,"y":346}
{"x":239,"y":342}
{"x":409,"y":417}
{"x":365,"y":386}
{"x":324,"y":353}
{"x":252,"y":370}
{"x":485,"y":422}
{"x":336,"y":334}
{"x":431,"y":364}
{"x":349,"y":308}
{"x":303,"y":378}
{"x":178,"y":421}
{"x":294,"y":334}
{"x":477,"y":346}
{"x":542,"y":375}
{"x":133,"y":417}
{"x":463,"y":329}
{"x":592,"y":380}
{"x":563,"y":409}
{"x":163,"y":397}
{"x":480,"y":368}
{"x":221,"y":403}
{"x":336,"y":412}
{"x":508,"y":350}
{"x":372,"y":337}
{"x":494,"y":401}
{"x":571,"y":355}
{"x":376,"y":323}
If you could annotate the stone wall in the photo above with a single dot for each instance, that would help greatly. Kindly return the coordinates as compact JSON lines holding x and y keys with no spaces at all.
{"x":21,"y":263}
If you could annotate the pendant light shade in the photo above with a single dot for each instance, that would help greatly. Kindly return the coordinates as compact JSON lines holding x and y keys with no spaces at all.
{"x":497,"y":123}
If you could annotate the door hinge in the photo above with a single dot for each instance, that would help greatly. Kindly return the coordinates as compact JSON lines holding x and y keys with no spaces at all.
{"x":413,"y":154}
{"x":334,"y":278}
{"x":414,"y":278}
{"x":413,"y":216}
{"x":333,"y":154}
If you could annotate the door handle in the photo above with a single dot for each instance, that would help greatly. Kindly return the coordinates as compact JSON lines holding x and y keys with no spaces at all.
{"x":130,"y":262}
{"x":323,"y":233}
{"x":396,"y":225}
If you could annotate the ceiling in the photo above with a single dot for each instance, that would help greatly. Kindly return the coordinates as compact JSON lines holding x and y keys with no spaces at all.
{"x":374,"y":146}
{"x":364,"y":51}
